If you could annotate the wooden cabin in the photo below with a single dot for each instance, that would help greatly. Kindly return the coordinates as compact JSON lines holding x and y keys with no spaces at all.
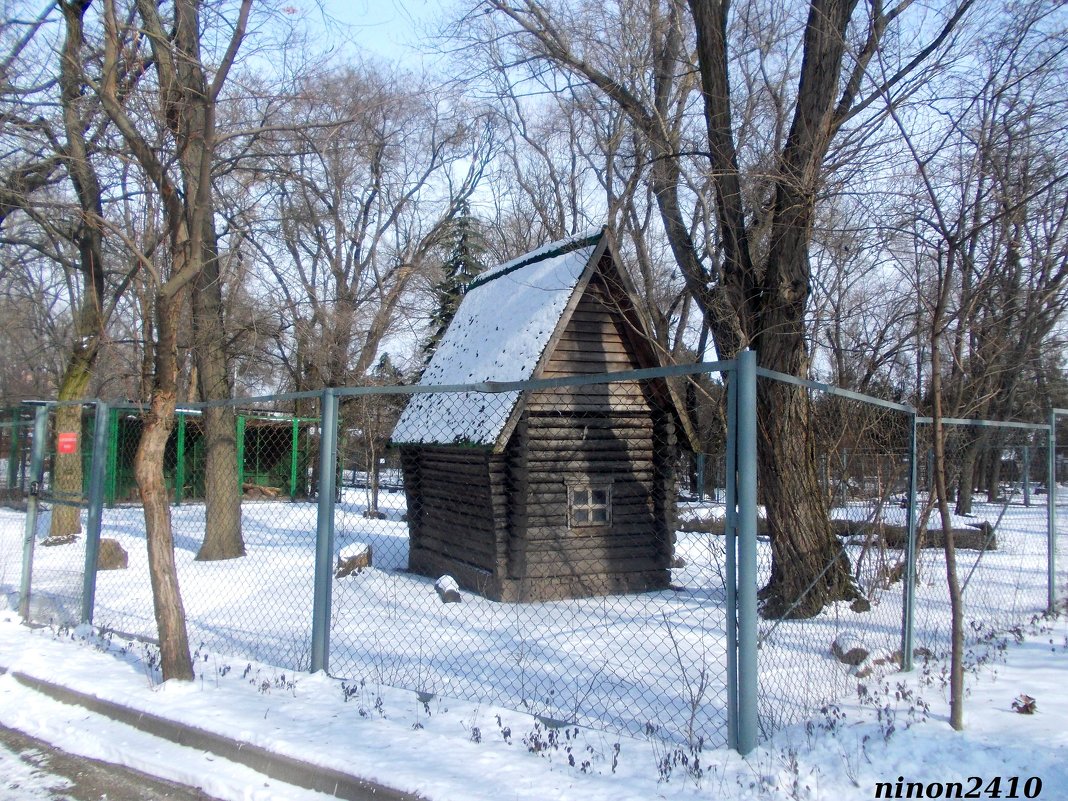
{"x":552,"y":493}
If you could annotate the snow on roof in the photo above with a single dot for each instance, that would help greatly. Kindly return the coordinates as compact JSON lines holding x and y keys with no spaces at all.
{"x":591,"y":237}
{"x":499,"y":333}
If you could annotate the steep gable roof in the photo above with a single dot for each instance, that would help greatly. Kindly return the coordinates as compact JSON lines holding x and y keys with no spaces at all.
{"x":509,"y":320}
{"x":501,"y":329}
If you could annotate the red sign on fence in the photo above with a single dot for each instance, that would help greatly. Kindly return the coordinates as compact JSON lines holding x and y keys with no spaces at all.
{"x":67,"y":442}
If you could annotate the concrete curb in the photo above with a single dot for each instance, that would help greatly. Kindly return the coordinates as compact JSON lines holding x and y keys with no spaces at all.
{"x":277,"y":766}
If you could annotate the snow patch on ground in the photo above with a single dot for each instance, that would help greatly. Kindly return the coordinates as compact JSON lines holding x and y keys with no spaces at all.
{"x":447,"y":749}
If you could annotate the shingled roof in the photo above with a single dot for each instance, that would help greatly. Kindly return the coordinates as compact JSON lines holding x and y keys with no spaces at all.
{"x":499,"y":333}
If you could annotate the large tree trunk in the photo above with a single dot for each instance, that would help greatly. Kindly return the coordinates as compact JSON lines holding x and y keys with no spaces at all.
{"x":966,"y":487}
{"x":769,"y":301}
{"x":187,"y":104}
{"x":148,"y":469}
{"x":89,"y":320}
{"x":67,"y":477}
{"x":992,"y":477}
{"x":809,"y":568}
{"x":147,"y":341}
{"x":969,"y":454}
{"x":222,"y":495}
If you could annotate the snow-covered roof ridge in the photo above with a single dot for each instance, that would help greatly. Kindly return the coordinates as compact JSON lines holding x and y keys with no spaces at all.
{"x":561,"y":246}
{"x":499,"y":334}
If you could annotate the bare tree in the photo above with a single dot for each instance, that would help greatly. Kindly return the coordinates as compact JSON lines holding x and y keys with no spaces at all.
{"x":767,"y":160}
{"x":89,"y":316}
{"x":569,"y":159}
{"x":37,"y":329}
{"x":863,"y":315}
{"x":990,"y":228}
{"x":70,"y":230}
{"x":361,"y":186}
{"x":186,"y":103}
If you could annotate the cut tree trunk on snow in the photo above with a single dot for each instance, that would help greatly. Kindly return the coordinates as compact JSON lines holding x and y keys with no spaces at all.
{"x":975,"y":537}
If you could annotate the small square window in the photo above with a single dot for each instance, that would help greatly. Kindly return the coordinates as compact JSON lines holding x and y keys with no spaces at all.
{"x":589,"y":505}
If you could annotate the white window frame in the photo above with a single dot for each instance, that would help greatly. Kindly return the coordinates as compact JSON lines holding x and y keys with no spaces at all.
{"x":582,"y":507}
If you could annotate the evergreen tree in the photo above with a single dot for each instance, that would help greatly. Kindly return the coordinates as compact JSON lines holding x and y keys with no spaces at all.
{"x":462,"y":267}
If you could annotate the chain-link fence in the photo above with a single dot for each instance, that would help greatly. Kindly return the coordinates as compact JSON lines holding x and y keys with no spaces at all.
{"x":868,"y":467}
{"x":997,"y":510}
{"x":59,"y":468}
{"x":844,"y":462}
{"x":586,"y":550}
{"x":244,"y":539}
{"x":555,"y":511}
{"x":245,"y":557}
{"x":1058,"y":468}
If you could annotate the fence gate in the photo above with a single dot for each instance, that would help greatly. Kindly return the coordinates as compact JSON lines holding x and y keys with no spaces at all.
{"x":65,"y":490}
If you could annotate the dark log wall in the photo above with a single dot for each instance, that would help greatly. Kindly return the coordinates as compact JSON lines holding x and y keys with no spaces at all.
{"x":593,"y":340}
{"x":457,"y":513}
{"x":601,"y":434}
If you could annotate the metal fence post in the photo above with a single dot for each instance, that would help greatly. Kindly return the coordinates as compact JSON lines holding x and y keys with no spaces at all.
{"x":40,"y":435}
{"x":294,"y":446}
{"x":324,"y":539}
{"x":748,"y":667}
{"x":731,"y":532}
{"x":179,"y":463}
{"x":909,"y":601}
{"x":95,"y":508}
{"x":1051,"y":514}
{"x":241,"y":453}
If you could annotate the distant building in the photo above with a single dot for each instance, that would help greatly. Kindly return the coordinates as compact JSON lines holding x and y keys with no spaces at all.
{"x":274,"y":451}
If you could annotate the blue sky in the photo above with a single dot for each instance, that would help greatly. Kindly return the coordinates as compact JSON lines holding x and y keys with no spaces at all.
{"x":389,"y":28}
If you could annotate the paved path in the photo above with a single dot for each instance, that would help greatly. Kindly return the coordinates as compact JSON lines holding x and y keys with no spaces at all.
{"x":271,"y":764}
{"x":59,"y":776}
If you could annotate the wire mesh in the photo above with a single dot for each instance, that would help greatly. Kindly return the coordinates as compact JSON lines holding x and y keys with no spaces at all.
{"x":834,"y":492}
{"x":244,"y":540}
{"x":16,"y":438}
{"x":997,"y":507}
{"x":555,"y":513}
{"x":59,"y":554}
{"x":1059,"y":465}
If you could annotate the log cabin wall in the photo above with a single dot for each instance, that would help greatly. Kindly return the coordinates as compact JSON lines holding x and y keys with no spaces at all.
{"x":600,"y":436}
{"x":456,"y":514}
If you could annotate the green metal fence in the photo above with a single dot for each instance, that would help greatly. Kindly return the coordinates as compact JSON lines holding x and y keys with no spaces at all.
{"x":274,"y":452}
{"x":16,"y":434}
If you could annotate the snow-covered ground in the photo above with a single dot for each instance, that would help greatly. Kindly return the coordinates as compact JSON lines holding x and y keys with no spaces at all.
{"x":446,"y":749}
{"x":630,"y":663}
{"x":644,"y":673}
